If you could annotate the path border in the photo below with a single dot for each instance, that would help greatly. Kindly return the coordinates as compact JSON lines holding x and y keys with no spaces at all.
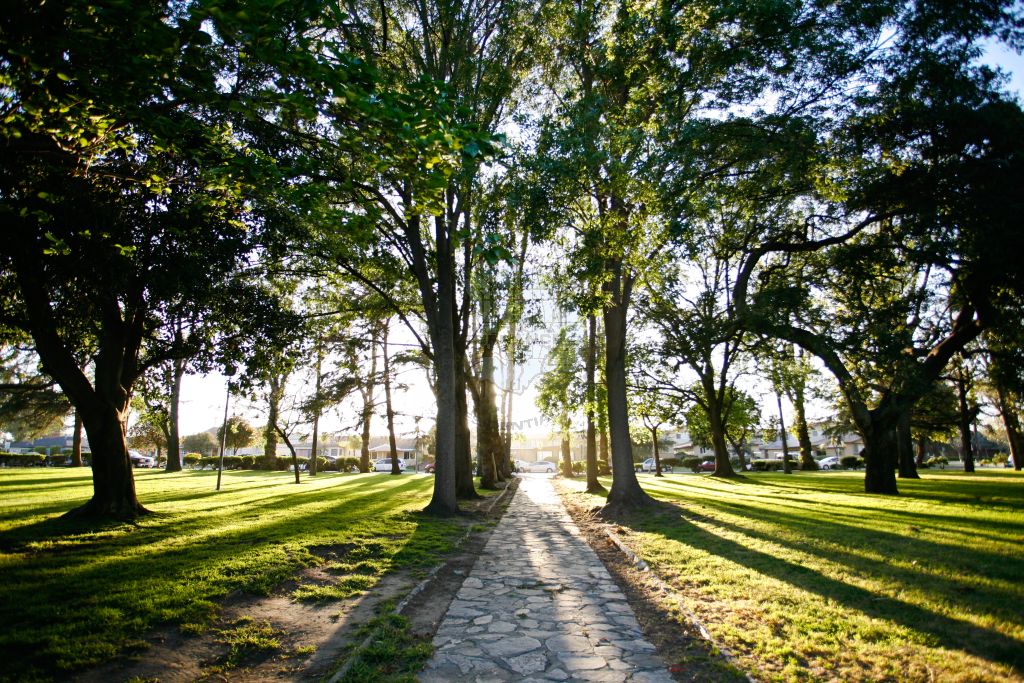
{"x":413,"y":592}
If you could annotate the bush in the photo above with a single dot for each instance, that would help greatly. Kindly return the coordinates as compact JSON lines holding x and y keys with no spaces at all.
{"x":22,"y":459}
{"x":1000,"y":459}
{"x":767,"y":465}
{"x":851,"y":462}
{"x":191,"y":459}
{"x":603,"y":468}
{"x":939,"y":461}
{"x":579,"y":467}
{"x":691,"y":463}
{"x":248,"y":462}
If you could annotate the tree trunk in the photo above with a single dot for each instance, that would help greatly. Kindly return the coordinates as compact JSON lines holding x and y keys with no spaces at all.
{"x":173,"y":438}
{"x":803,"y":435}
{"x":723,"y":466}
{"x":879,"y":435}
{"x":787,"y":466}
{"x":368,"y":405}
{"x":442,"y":332}
{"x":657,"y":453}
{"x":76,"y":442}
{"x":905,"y":446}
{"x":314,"y":447}
{"x":625,"y":491}
{"x":291,"y":449}
{"x":112,"y":479}
{"x":389,"y":409}
{"x":464,"y":488}
{"x":1011,"y":422}
{"x":566,"y":454}
{"x":922,"y":450}
{"x":275,"y":386}
{"x":966,"y":446}
{"x":593,"y":485}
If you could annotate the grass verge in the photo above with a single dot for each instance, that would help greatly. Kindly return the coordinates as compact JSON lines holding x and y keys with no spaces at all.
{"x":805,"y":577}
{"x":76,"y":595}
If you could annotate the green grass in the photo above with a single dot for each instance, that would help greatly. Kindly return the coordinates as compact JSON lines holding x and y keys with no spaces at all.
{"x":75,"y":595}
{"x":805,"y":577}
{"x":393,"y":654}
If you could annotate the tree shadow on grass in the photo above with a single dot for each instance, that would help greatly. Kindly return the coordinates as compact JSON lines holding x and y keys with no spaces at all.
{"x":118,"y":586}
{"x":982,"y":642}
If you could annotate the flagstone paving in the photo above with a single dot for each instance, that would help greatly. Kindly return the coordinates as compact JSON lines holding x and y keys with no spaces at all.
{"x":538,"y":605}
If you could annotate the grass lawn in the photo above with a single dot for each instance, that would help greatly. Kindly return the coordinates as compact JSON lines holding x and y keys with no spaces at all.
{"x":805,"y":577}
{"x":75,"y":595}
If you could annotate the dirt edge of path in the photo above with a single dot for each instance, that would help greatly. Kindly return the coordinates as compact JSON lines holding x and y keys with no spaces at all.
{"x":688,"y":655}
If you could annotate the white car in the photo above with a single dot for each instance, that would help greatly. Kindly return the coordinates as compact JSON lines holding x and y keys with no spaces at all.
{"x":384,"y":465}
{"x":829,"y":463}
{"x":540,"y":466}
{"x":648,"y":466}
{"x":140,"y":460}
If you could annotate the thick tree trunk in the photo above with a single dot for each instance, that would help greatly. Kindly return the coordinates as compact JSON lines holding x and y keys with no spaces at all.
{"x":922,"y":450}
{"x":314,"y":449}
{"x":905,"y":446}
{"x":174,"y":410}
{"x":112,"y":479}
{"x":1011,"y":422}
{"x":625,"y":491}
{"x":723,"y":466}
{"x":275,"y":386}
{"x":442,"y":333}
{"x":879,"y":435}
{"x":593,"y":485}
{"x":76,"y":442}
{"x":803,"y":434}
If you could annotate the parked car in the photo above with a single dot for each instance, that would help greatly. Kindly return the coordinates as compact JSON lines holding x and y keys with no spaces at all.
{"x":648,"y":466}
{"x":429,"y":467}
{"x":707,"y":466}
{"x":141,"y":460}
{"x":540,"y":466}
{"x":829,"y":463}
{"x":384,"y":465}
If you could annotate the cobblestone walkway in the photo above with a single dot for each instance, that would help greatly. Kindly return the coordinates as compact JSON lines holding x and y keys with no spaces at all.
{"x":539,"y":605}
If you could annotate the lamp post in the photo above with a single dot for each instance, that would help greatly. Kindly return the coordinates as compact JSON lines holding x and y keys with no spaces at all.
{"x":224,"y":429}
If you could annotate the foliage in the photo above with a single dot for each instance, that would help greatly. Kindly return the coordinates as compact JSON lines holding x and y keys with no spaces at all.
{"x":239,"y":433}
{"x":203,"y":443}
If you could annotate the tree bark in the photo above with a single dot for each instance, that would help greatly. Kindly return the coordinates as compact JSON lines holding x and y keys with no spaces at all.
{"x":964,"y":424}
{"x":787,"y":466}
{"x":314,"y":447}
{"x":566,"y":455}
{"x":76,"y":442}
{"x":173,"y":438}
{"x":803,"y":435}
{"x":625,"y":491}
{"x":922,"y":450}
{"x":905,"y":446}
{"x":657,"y":453}
{"x":275,"y":386}
{"x":368,"y":404}
{"x":593,"y":485}
{"x":1011,"y":422}
{"x":464,"y":488}
{"x":388,"y":408}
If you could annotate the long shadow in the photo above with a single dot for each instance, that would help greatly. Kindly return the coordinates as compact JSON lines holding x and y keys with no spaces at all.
{"x":982,"y":642}
{"x":28,"y":599}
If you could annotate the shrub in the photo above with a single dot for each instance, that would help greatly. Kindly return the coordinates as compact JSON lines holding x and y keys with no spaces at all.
{"x":22,"y":459}
{"x":248,"y":462}
{"x":603,"y":468}
{"x":672,"y":462}
{"x":939,"y":461}
{"x":851,"y":462}
{"x":691,"y":463}
{"x":579,"y":467}
{"x":1000,"y":459}
{"x":767,"y":465}
{"x":191,"y":459}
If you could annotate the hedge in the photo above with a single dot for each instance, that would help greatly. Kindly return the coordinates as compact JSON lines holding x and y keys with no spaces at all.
{"x":767,"y":464}
{"x":851,"y":462}
{"x":22,"y":460}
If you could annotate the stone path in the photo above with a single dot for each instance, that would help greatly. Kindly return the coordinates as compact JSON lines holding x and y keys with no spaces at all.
{"x":538,"y":605}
